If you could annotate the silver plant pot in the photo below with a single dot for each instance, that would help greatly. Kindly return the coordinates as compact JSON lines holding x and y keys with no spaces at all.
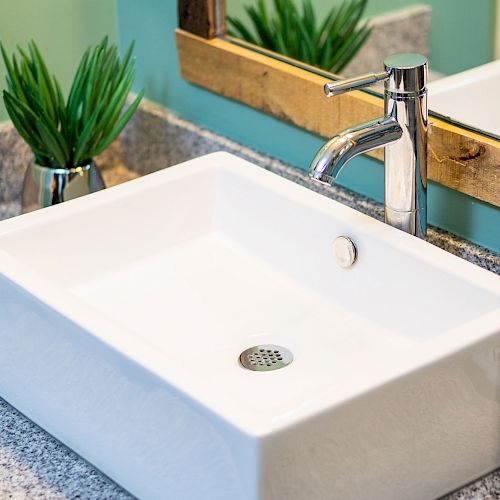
{"x":45,"y":186}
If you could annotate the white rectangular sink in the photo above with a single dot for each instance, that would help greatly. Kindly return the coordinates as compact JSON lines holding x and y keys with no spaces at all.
{"x":123,"y":314}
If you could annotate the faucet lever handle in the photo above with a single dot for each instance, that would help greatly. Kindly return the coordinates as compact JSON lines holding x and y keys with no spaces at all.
{"x":358,"y":82}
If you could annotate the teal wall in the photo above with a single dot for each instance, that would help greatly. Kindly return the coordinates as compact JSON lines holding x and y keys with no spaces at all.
{"x":61,"y":28}
{"x":462,"y":31}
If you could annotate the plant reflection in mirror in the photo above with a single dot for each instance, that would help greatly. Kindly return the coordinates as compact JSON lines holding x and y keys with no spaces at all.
{"x":329,"y":43}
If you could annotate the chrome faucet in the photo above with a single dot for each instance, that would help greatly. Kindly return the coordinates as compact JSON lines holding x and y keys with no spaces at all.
{"x":402,"y":131}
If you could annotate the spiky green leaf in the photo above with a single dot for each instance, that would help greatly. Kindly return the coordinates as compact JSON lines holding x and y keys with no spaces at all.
{"x":62,"y":132}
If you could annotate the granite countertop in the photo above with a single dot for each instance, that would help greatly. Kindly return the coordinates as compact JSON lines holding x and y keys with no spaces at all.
{"x":35,"y":465}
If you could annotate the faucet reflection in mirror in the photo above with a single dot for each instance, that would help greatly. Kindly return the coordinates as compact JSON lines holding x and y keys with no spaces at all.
{"x":402,"y":131}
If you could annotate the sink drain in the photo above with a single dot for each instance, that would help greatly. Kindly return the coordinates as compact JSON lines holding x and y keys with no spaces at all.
{"x":264,"y":358}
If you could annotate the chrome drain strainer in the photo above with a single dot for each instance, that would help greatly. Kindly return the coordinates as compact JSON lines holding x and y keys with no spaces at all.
{"x":264,"y":358}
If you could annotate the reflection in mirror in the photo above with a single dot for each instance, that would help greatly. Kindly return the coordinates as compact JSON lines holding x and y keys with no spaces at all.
{"x":351,"y":37}
{"x":329,"y":41}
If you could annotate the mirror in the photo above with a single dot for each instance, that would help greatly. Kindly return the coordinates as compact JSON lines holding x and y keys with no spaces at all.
{"x":344,"y":38}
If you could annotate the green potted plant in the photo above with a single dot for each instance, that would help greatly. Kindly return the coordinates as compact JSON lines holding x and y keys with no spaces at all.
{"x":329,"y":43}
{"x":66,"y":135}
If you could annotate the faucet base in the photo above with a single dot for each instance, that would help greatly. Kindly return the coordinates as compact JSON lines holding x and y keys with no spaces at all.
{"x":412,"y":222}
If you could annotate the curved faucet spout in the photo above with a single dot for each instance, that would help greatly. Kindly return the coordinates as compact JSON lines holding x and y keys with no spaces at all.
{"x":333,"y":156}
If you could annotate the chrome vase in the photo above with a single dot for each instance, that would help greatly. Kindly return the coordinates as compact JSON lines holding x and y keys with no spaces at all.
{"x":46,"y":186}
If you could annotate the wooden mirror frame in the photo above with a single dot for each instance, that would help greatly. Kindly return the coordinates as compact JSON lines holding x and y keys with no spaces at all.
{"x":458,"y":158}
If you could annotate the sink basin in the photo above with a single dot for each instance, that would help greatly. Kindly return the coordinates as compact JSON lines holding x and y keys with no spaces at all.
{"x":123,"y":315}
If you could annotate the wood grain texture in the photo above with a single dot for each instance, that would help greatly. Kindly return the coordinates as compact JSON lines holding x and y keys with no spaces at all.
{"x":461,"y":160}
{"x":204,"y":18}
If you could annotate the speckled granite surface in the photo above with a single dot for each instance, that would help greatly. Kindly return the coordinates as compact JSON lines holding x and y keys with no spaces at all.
{"x":35,"y":465}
